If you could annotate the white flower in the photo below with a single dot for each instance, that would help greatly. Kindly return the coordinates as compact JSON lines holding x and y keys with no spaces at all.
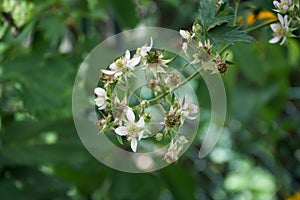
{"x":280,"y":30}
{"x":283,"y":6}
{"x":175,"y":148}
{"x":186,"y":35}
{"x":118,"y":67}
{"x":171,"y":155}
{"x":189,"y":111}
{"x":133,"y":130}
{"x":101,"y":97}
{"x":145,"y":49}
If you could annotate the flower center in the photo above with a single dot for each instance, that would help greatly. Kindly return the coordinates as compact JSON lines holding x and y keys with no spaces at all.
{"x":119,"y":63}
{"x":172,"y":120}
{"x":153,"y":57}
{"x":133,"y":130}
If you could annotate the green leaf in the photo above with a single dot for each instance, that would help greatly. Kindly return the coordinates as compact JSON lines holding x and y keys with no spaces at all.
{"x":119,"y":138}
{"x":29,"y":183}
{"x":46,"y":83}
{"x":32,"y":143}
{"x":150,"y":187}
{"x":224,"y":34}
{"x":210,"y":17}
{"x":180,"y":182}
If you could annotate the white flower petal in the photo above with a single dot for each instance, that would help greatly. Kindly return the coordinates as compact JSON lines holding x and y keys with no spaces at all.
{"x":141,"y":122}
{"x":113,"y":66}
{"x":274,"y":40}
{"x":99,"y":91}
{"x":130,"y":115}
{"x":184,"y":34}
{"x":145,"y":49}
{"x":127,"y":55}
{"x":133,"y":144}
{"x":151,"y":44}
{"x":283,"y":41}
{"x":103,"y":106}
{"x":184,"y":47}
{"x":276,"y":4}
{"x":99,"y":101}
{"x":280,"y":19}
{"x":121,"y":130}
{"x":285,"y":21}
{"x":108,"y":72}
{"x":118,"y":74}
{"x":274,"y":27}
{"x":133,"y":62}
{"x":141,"y":134}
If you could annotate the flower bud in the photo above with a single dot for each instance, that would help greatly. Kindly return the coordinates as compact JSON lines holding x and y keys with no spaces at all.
{"x":147,"y":117}
{"x":221,"y":66}
{"x":171,"y":156}
{"x":159,"y":137}
{"x":197,"y":28}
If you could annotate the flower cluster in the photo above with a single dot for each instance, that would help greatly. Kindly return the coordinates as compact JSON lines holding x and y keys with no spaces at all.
{"x":202,"y":51}
{"x":129,"y":121}
{"x":288,"y":17}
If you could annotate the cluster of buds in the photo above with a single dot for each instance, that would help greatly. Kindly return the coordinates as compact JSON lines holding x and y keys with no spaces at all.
{"x":203,"y":54}
{"x":288,"y":16}
{"x":130,"y":121}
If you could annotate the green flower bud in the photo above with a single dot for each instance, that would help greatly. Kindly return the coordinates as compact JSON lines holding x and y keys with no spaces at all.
{"x":197,"y":28}
{"x":159,"y":137}
{"x":147,"y":117}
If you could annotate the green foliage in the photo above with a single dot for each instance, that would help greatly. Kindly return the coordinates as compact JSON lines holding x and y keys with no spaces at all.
{"x":228,"y":35}
{"x":218,"y":24}
{"x":41,"y":156}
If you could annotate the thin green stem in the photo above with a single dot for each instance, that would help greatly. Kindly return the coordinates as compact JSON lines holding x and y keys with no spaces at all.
{"x":237,"y":3}
{"x":259,"y":26}
{"x":224,"y":48}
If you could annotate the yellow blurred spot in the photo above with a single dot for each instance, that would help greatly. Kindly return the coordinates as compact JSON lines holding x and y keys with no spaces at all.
{"x":296,"y":196}
{"x":251,"y":18}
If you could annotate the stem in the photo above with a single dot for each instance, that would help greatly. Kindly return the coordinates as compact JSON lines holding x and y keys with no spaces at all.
{"x":259,"y":26}
{"x":175,"y":88}
{"x":237,"y":3}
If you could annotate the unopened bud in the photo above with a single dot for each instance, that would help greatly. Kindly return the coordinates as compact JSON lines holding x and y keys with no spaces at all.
{"x":147,"y":117}
{"x":159,"y":137}
{"x":197,"y":28}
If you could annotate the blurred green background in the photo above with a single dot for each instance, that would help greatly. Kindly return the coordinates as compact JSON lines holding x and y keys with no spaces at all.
{"x":42,"y":44}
